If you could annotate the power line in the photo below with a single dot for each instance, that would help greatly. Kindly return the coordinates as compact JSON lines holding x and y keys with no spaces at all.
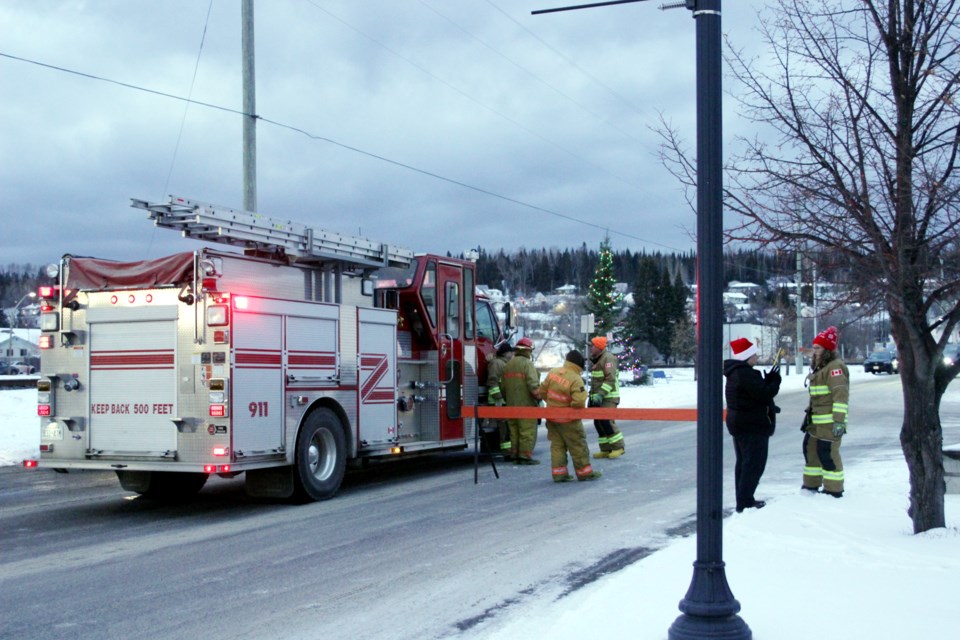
{"x":328,"y":140}
{"x":466,"y":95}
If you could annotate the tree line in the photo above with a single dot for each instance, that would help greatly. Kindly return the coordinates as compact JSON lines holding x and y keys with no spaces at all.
{"x":526,"y":271}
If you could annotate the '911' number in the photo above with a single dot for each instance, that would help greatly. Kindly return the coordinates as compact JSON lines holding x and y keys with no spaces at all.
{"x":259,"y":409}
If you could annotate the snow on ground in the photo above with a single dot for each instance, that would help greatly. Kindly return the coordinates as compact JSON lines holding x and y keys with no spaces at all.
{"x":805,"y":565}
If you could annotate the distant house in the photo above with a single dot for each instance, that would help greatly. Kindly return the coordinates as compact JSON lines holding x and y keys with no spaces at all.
{"x":744,"y":287}
{"x":19,"y":345}
{"x":566,"y":290}
{"x":736,"y":298}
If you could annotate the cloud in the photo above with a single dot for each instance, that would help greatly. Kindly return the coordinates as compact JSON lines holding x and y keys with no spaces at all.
{"x":548,"y":111}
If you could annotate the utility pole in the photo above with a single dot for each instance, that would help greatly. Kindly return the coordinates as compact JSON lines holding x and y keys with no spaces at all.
{"x":709,"y":609}
{"x":249,"y":109}
{"x":799,"y":282}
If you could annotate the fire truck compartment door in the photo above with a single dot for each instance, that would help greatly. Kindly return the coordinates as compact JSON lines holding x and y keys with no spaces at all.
{"x":133,"y":380}
{"x":378,"y":375}
{"x":257,"y":398}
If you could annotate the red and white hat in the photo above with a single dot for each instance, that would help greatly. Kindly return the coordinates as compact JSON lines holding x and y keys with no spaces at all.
{"x":827,"y":339}
{"x":742,"y":349}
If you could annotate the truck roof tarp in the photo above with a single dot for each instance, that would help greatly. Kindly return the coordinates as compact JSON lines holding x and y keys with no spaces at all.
{"x":94,"y":273}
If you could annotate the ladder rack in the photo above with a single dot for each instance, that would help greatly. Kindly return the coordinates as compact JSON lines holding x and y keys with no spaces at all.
{"x":212,"y":223}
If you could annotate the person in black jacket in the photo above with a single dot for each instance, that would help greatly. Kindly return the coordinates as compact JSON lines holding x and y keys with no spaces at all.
{"x":751,"y":418}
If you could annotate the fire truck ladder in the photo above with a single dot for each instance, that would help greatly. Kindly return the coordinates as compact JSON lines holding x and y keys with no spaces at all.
{"x":296,"y":241}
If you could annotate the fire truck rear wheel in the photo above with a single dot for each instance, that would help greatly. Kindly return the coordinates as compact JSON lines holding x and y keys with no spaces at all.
{"x":321,"y":456}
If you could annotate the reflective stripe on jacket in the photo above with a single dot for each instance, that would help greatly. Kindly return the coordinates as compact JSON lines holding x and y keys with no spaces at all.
{"x":495,"y":367}
{"x":829,"y":388}
{"x":563,"y":387}
{"x":603,"y":376}
{"x":520,"y":381}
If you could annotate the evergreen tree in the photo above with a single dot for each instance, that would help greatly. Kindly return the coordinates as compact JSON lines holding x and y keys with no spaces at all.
{"x":641,"y":317}
{"x":602,"y":299}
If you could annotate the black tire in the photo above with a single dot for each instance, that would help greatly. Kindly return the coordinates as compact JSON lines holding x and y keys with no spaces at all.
{"x":321,"y":456}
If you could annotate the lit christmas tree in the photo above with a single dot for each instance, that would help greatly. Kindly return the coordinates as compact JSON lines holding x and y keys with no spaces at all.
{"x":605,"y":303}
{"x":603,"y":300}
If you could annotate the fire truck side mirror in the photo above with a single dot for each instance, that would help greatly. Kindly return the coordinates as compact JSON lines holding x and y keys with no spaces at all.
{"x":509,"y":316}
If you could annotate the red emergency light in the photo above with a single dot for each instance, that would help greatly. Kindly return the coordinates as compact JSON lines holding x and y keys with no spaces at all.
{"x":43,"y":410}
{"x":220,"y":451}
{"x":46,"y":291}
{"x":218,"y":410}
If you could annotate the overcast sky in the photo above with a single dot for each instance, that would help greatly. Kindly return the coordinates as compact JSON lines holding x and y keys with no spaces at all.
{"x":434,"y":125}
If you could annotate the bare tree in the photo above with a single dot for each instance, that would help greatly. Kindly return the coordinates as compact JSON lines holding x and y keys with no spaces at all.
{"x":856,"y":152}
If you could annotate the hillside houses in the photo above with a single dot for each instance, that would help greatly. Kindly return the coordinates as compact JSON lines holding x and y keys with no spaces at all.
{"x":765,"y":313}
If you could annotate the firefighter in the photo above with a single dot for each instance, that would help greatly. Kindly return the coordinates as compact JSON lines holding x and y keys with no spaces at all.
{"x":563,"y":387}
{"x":825,"y":422}
{"x":605,"y":392}
{"x":520,"y":386}
{"x":495,"y":365}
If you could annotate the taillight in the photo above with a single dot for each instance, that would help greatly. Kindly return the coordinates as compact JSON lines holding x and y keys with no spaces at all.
{"x":29,"y":464}
{"x":218,"y":410}
{"x":214,"y":468}
{"x":46,"y":341}
{"x":44,"y":398}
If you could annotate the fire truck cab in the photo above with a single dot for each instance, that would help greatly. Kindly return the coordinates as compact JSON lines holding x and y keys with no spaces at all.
{"x":306,"y":352}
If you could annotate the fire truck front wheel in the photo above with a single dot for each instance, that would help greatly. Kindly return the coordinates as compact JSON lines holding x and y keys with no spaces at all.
{"x":321,"y":456}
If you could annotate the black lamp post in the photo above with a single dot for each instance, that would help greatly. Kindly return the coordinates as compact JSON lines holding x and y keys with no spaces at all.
{"x":709,"y":609}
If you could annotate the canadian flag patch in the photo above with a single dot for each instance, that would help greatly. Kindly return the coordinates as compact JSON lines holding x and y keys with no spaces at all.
{"x":836,"y":372}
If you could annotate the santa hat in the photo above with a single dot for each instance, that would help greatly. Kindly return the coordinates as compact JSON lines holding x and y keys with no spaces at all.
{"x":599,"y":342}
{"x":743,"y":349}
{"x":827,"y":339}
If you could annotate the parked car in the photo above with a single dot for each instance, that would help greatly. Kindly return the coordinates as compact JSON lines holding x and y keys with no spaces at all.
{"x":882,"y":362}
{"x":17,"y":369}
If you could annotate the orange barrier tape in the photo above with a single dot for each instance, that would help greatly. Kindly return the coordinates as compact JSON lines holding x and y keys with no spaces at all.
{"x":565,"y":414}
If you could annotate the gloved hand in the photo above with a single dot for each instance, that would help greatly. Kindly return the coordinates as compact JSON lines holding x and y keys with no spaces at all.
{"x":596,"y":399}
{"x":773,"y":378}
{"x":839,"y":428}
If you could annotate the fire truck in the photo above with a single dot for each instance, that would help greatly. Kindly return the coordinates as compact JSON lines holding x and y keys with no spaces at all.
{"x":305,"y":353}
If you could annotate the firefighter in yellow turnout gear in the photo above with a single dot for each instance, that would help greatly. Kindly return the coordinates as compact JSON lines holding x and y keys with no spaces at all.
{"x":605,"y":392}
{"x":520,"y":385}
{"x":496,"y":362}
{"x":826,"y":419}
{"x":563,"y":387}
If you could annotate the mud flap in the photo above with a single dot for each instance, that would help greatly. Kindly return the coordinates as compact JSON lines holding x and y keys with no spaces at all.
{"x":275,"y":482}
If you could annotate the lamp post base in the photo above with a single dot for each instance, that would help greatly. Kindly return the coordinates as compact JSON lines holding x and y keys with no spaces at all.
{"x":690,"y":627}
{"x":709,"y":608}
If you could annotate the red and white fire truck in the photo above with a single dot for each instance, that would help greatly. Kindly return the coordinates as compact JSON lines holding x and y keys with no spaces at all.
{"x":305,"y":352}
